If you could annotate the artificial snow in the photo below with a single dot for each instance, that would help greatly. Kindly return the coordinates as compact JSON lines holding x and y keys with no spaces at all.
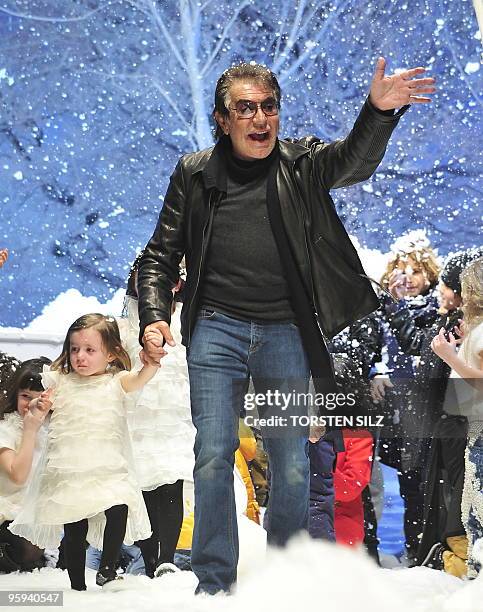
{"x":307,"y":574}
{"x":472,"y":67}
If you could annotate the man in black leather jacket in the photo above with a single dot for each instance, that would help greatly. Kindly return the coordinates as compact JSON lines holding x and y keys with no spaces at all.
{"x":270,"y":273}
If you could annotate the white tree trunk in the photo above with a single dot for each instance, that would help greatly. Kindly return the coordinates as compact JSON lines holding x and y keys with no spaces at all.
{"x":478,"y":4}
{"x":190,"y":29}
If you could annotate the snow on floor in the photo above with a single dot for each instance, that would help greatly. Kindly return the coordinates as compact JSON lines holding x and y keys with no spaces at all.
{"x":307,"y":575}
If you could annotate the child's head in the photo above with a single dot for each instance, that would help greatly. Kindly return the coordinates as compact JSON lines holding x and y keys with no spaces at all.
{"x":417,"y":261}
{"x":472,"y":292}
{"x":24,"y":386}
{"x":450,"y":278}
{"x":92,"y":345}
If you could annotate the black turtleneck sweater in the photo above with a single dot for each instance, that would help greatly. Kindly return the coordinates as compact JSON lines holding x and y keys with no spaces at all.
{"x":243,"y":275}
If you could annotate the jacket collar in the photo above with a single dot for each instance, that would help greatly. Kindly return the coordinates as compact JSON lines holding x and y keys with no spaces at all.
{"x":212,"y":164}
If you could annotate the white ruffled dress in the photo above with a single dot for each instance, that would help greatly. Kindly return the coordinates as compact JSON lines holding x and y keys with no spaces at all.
{"x":471,"y":398}
{"x":86,"y":466}
{"x":11,"y":494}
{"x":159,"y":416}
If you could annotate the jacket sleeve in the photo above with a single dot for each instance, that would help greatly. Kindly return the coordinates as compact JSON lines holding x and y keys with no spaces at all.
{"x":410,"y":337}
{"x":356,"y":157}
{"x":159,"y":265}
{"x":362,"y":343}
{"x":353,"y":470}
{"x":366,"y":340}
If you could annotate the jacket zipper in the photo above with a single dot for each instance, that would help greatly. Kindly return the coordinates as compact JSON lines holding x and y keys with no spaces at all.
{"x":210,"y":207}
{"x":308,"y":258}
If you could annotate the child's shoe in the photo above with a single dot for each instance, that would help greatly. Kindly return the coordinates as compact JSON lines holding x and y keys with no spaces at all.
{"x":108,"y":579}
{"x":165,"y":568}
{"x":434,"y":558}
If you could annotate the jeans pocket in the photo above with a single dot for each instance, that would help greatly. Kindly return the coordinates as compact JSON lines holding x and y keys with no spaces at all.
{"x":205,"y":313}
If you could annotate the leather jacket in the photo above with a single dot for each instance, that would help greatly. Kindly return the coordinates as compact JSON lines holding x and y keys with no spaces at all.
{"x":328,"y":263}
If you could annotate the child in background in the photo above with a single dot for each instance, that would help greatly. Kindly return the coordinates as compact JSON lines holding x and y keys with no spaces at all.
{"x":243,"y":455}
{"x":340,"y":488}
{"x":159,"y":420}
{"x":411,"y":277}
{"x":22,"y":413}
{"x":321,"y":500}
{"x":443,"y":542}
{"x":352,"y":475}
{"x":85,"y":482}
{"x":467,"y":364}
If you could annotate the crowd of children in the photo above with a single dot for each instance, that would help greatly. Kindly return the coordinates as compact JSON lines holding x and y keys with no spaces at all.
{"x":95,"y":447}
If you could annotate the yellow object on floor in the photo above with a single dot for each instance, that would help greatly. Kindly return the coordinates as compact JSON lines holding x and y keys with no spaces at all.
{"x":455,"y":559}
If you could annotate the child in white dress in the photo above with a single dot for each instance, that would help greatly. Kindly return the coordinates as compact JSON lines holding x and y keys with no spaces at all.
{"x":467,"y":364}
{"x":85,"y":484}
{"x":22,"y":432}
{"x":162,"y":434}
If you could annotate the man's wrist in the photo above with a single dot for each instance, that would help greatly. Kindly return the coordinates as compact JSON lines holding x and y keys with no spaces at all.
{"x":387,"y":113}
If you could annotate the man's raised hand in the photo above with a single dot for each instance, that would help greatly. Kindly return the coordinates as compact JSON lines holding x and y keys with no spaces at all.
{"x":389,"y":92}
{"x":3,"y":256}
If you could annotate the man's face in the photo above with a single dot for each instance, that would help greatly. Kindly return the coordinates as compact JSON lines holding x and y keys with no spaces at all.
{"x":252,"y":138}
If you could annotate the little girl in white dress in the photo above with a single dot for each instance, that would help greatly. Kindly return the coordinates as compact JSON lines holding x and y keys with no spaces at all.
{"x":162,"y":434}
{"x":85,"y":484}
{"x":23,"y":409}
{"x":467,"y":364}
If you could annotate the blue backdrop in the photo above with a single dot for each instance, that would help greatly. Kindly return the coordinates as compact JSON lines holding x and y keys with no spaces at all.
{"x":100,"y":97}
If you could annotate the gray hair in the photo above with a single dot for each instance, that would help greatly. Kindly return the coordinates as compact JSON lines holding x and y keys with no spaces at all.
{"x":241,"y":72}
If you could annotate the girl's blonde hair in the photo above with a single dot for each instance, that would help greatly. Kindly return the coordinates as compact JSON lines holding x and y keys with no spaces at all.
{"x":111,"y":341}
{"x":472,"y":293}
{"x":423,"y":259}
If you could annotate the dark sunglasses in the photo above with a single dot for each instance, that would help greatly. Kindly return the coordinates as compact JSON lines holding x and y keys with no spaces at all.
{"x":246,"y":109}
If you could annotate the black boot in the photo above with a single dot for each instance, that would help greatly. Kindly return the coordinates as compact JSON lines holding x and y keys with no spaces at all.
{"x":434,"y":558}
{"x":108,"y":579}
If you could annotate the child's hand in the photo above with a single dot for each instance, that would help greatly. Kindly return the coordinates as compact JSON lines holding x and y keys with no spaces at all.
{"x":397,"y":284}
{"x":33,"y":419}
{"x":154,"y":337}
{"x":459,"y":331}
{"x":153,"y":345}
{"x":378,"y":388}
{"x":316,"y":432}
{"x":445,"y":349}
{"x":146,"y":362}
{"x":43,"y":403}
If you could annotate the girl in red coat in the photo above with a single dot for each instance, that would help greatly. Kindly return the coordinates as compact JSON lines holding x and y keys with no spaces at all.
{"x":352,"y":475}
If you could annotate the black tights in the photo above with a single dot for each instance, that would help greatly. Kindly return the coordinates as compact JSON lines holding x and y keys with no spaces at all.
{"x":75,"y":550}
{"x":165,"y":510}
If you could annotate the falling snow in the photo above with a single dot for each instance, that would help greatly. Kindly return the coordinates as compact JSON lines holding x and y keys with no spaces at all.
{"x":99,"y":99}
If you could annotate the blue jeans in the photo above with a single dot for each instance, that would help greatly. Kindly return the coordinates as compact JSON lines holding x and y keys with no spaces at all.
{"x":223,"y":354}
{"x":132,"y":557}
